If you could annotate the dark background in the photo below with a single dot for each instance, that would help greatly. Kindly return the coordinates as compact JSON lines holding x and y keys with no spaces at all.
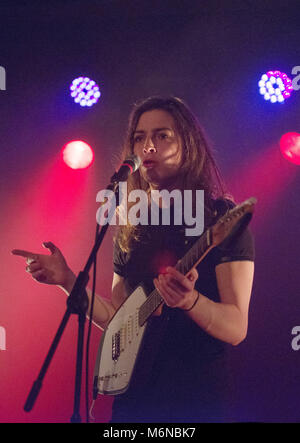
{"x":211,"y":54}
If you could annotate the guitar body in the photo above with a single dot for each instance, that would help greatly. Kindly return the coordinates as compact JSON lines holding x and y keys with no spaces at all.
{"x":120,"y":345}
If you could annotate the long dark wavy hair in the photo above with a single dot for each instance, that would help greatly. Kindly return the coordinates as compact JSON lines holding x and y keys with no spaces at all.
{"x":199,"y":169}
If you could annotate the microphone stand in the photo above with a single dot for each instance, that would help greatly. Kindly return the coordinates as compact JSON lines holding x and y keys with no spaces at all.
{"x":77,"y":303}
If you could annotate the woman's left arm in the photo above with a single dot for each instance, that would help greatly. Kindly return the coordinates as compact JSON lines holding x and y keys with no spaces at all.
{"x":226,"y":320}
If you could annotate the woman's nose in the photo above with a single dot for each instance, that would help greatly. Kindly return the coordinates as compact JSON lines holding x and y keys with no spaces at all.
{"x":149,"y":146}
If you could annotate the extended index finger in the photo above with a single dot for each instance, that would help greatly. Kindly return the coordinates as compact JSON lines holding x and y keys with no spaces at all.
{"x":22,"y":253}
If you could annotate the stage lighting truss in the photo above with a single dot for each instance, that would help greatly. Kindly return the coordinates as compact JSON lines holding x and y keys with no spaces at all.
{"x":275,"y":86}
{"x":85,"y":91}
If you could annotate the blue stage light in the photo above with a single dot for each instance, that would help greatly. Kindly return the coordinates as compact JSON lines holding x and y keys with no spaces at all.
{"x":85,"y":91}
{"x":275,"y":86}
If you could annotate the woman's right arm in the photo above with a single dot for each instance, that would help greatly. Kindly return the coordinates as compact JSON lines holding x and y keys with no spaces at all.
{"x":104,"y":309}
{"x":53,"y":269}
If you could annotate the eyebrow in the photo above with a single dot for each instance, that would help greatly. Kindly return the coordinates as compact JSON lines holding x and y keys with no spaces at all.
{"x":141,"y":131}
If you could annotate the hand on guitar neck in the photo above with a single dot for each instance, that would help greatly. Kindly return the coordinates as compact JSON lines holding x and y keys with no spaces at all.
{"x":176,"y":289}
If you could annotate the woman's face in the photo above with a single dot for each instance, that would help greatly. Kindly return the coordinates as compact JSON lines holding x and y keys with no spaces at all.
{"x":158,"y":144}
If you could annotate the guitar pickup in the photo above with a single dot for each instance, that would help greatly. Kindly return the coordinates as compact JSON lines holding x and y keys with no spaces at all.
{"x":116,"y":339}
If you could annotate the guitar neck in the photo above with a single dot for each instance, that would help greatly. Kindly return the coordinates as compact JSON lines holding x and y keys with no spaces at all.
{"x":191,"y":259}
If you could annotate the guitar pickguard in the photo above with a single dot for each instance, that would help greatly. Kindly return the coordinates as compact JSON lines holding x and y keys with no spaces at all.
{"x":119,"y":347}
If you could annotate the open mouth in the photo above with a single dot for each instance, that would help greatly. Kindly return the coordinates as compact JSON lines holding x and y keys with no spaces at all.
{"x":149,"y":163}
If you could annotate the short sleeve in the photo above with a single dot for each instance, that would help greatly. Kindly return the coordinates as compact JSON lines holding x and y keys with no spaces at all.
{"x":119,"y":260}
{"x":240,"y":248}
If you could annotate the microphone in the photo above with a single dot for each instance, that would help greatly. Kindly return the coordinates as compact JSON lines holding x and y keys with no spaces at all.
{"x":128,"y":167}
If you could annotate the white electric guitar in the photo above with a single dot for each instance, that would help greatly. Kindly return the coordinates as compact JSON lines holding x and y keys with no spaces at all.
{"x":122,"y":338}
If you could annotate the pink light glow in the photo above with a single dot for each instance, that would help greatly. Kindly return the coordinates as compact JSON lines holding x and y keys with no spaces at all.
{"x":290,"y":147}
{"x":78,"y":154}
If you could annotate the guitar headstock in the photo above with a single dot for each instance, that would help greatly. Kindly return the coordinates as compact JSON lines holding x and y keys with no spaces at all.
{"x":232,"y":220}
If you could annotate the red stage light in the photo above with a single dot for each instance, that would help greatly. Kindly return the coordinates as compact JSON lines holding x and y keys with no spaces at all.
{"x":78,"y":154}
{"x":290,"y":147}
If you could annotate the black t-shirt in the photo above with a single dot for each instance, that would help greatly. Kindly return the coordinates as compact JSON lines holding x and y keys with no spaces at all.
{"x":181,"y":373}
